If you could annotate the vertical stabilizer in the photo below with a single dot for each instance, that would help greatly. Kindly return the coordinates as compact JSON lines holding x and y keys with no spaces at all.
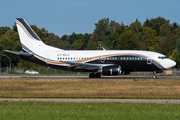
{"x":30,"y":41}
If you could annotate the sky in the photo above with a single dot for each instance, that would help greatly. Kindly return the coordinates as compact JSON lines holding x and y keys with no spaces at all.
{"x":67,"y":16}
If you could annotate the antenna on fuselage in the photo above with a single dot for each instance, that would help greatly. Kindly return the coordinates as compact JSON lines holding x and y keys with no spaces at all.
{"x":102,"y":47}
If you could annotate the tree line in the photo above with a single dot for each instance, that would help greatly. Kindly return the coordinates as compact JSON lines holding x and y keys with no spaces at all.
{"x":156,"y":34}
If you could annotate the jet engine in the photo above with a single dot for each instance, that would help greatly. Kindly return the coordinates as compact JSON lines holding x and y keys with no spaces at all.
{"x":112,"y":70}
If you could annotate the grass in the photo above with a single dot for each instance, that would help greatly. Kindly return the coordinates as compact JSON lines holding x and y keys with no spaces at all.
{"x":90,"y":88}
{"x":52,"y":110}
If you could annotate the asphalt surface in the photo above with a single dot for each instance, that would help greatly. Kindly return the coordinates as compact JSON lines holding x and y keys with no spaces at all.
{"x":158,"y":101}
{"x":78,"y":76}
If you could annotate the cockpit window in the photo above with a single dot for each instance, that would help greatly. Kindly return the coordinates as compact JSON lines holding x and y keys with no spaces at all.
{"x":164,"y":57}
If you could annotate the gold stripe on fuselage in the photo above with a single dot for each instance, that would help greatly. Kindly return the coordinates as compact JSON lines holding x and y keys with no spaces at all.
{"x":95,"y":58}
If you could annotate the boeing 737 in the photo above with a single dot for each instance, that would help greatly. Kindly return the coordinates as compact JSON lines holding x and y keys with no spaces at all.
{"x":97,"y":62}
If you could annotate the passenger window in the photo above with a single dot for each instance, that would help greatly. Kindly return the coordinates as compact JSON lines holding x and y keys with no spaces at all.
{"x":129,"y":58}
{"x":112,"y":58}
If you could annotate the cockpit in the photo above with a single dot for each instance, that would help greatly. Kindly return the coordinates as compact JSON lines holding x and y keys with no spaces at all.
{"x":162,"y":57}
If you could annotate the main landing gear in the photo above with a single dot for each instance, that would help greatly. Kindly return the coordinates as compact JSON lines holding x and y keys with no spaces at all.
{"x":154,"y":75}
{"x":97,"y":75}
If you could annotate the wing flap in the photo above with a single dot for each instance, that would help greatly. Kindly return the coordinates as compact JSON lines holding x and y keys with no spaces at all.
{"x":78,"y":65}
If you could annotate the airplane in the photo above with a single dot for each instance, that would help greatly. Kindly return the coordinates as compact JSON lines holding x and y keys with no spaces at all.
{"x":97,"y":62}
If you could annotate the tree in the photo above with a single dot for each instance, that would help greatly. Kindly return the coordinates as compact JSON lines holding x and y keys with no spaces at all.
{"x":100,"y":29}
{"x":113,"y":26}
{"x":178,"y":44}
{"x":165,"y":30}
{"x":79,"y":44}
{"x":27,"y":64}
{"x":67,"y":45}
{"x":129,"y":40}
{"x":10,"y":41}
{"x":3,"y":30}
{"x":74,"y":37}
{"x":64,"y":37}
{"x":174,"y":54}
{"x":155,"y":23}
{"x":136,"y":26}
{"x":113,"y":40}
{"x":149,"y":38}
{"x":15,"y":27}
{"x":86,"y":38}
{"x":91,"y":46}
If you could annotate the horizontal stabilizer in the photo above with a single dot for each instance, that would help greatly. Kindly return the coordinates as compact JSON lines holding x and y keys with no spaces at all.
{"x":18,"y":53}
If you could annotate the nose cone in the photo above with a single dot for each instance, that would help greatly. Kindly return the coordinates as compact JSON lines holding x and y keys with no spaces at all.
{"x":169,"y":64}
{"x":173,"y":63}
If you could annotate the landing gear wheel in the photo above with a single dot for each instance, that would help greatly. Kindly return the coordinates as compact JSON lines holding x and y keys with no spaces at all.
{"x":98,"y":75}
{"x":92,"y":75}
{"x":154,"y":77}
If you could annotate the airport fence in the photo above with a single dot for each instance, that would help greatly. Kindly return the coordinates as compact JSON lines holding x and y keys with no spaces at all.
{"x":40,"y":70}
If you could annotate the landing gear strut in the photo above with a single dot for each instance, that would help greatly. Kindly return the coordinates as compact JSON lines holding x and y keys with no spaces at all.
{"x":97,"y":75}
{"x":154,"y":75}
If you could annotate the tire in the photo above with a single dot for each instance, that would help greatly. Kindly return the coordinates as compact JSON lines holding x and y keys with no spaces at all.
{"x":154,"y":77}
{"x":98,"y":75}
{"x":91,"y":75}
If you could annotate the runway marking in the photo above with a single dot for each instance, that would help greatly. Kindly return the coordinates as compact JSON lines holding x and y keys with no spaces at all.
{"x":158,"y":101}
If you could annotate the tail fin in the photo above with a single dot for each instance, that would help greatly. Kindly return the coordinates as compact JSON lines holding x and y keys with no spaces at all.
{"x":30,"y":41}
{"x":27,"y":29}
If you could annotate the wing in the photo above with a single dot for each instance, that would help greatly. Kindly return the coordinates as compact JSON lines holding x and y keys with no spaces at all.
{"x":87,"y":66}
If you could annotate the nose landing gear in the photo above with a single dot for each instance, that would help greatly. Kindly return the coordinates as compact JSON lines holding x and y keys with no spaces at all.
{"x":154,"y":75}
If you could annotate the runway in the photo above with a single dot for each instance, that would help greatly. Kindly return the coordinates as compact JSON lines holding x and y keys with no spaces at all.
{"x":87,"y":77}
{"x":158,"y":101}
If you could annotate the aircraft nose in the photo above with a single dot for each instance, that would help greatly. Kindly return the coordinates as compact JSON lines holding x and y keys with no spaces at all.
{"x":170,"y":64}
{"x":173,"y":63}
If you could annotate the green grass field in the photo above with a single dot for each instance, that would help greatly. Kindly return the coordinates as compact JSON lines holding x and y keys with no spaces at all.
{"x":89,"y":88}
{"x":52,"y":110}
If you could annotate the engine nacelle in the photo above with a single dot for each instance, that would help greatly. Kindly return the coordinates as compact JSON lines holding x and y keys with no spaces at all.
{"x":112,"y":70}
